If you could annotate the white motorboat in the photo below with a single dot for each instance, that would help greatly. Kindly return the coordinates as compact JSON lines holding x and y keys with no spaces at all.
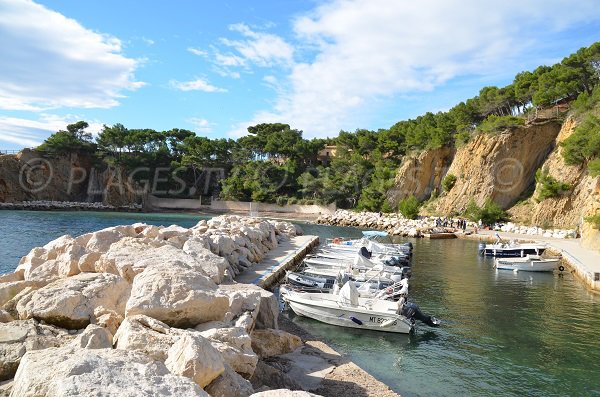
{"x":511,"y":249}
{"x":528,"y":263}
{"x":349,"y":310}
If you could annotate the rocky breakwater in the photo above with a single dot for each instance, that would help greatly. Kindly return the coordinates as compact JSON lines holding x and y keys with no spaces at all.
{"x":397,"y":225}
{"x":393,"y":223}
{"x":143,"y":310}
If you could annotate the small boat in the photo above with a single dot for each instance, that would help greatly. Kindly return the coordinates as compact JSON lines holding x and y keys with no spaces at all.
{"x":377,"y":288}
{"x":511,"y":250}
{"x":528,"y":263}
{"x":348,"y":309}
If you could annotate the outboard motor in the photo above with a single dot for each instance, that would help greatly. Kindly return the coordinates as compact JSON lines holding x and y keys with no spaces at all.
{"x":365,"y":252}
{"x":481,"y":249}
{"x":411,"y":311}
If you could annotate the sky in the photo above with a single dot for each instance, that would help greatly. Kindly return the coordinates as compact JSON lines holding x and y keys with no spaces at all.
{"x":217,"y":67}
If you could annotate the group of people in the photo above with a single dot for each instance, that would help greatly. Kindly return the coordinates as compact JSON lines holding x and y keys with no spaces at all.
{"x":446,"y":222}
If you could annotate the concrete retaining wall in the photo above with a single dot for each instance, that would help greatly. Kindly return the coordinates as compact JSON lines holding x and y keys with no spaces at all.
{"x":175,"y":204}
{"x":263,"y":207}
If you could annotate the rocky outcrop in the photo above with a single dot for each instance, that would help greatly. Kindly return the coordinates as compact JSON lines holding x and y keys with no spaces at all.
{"x":568,"y":209}
{"x":31,"y":176}
{"x":139,"y":309}
{"x":498,"y":167}
{"x":421,"y":175}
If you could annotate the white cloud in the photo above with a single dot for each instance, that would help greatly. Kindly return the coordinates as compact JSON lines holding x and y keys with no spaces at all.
{"x":197,"y":51}
{"x":200,"y":124}
{"x":259,"y":48}
{"x":21,"y":132}
{"x":195,"y":85}
{"x":368,"y":50}
{"x":50,"y":61}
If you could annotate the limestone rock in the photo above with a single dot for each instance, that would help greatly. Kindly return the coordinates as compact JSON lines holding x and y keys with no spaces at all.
{"x":68,"y":371}
{"x":229,"y":384}
{"x":18,"y":337}
{"x":147,"y":335}
{"x":93,"y":337}
{"x":272,"y":342}
{"x":235,"y":347}
{"x":248,"y":298}
{"x":9,"y":290}
{"x":213,"y":265}
{"x":177,"y":296}
{"x":173,"y":231}
{"x":5,"y":317}
{"x":195,"y":358}
{"x":70,"y":302}
{"x":267,"y":375}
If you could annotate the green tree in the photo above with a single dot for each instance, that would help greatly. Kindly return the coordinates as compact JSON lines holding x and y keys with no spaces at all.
{"x":74,"y":139}
{"x":409,"y":207}
{"x":448,"y":182}
{"x":549,"y":186}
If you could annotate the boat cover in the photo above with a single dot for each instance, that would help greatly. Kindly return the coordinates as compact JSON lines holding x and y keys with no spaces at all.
{"x":348,"y":294}
{"x":374,"y":233}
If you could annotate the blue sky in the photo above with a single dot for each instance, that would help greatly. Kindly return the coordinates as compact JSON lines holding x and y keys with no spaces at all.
{"x":218,"y":67}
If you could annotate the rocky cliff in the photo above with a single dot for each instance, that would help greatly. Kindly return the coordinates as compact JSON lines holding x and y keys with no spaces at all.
{"x":502,"y":167}
{"x":32,"y":176}
{"x":421,"y":175}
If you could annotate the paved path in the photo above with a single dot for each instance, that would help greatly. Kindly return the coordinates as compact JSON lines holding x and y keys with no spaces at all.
{"x":268,"y":272}
{"x":584,"y":261}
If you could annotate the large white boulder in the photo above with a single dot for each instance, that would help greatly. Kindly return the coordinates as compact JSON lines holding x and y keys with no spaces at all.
{"x":147,"y":335}
{"x":213,"y":265}
{"x":18,"y":337}
{"x":261,"y":305}
{"x":68,"y":371}
{"x":9,"y":290}
{"x":229,"y":384}
{"x":194,"y":357}
{"x":235,"y":347}
{"x":70,"y":302}
{"x":93,"y":337}
{"x":177,"y":296}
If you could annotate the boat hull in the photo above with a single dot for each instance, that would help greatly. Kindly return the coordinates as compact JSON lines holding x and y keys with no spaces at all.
{"x":345,"y":316}
{"x":545,"y":265}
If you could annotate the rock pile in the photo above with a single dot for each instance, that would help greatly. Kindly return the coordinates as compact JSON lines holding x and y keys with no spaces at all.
{"x":397,"y":225}
{"x":142,"y":310}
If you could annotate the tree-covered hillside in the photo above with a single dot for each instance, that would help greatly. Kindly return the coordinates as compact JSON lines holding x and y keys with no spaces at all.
{"x":274,"y":163}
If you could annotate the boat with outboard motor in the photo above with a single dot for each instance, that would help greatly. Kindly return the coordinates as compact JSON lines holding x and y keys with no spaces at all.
{"x":348,"y":309}
{"x":369,"y":241}
{"x":528,"y":263}
{"x":511,"y":249}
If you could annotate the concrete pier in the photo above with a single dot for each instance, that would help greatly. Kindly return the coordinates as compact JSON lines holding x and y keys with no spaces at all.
{"x":272,"y":268}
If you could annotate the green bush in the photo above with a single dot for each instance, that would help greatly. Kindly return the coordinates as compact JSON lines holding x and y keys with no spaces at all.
{"x":448,"y":182}
{"x":489,"y":214}
{"x":594,"y":220}
{"x":586,"y":102}
{"x":594,"y":167}
{"x":409,"y":207}
{"x":495,"y":123}
{"x":584,"y":144}
{"x":549,"y":186}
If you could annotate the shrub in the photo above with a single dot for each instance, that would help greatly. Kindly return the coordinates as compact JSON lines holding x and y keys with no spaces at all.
{"x":549,"y":186}
{"x":489,"y":214}
{"x":409,"y":207}
{"x":594,"y":220}
{"x":584,"y":144}
{"x":495,"y":123}
{"x":594,"y":167}
{"x":448,"y":182}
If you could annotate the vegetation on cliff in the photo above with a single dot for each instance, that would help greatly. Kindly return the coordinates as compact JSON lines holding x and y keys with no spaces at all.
{"x":275,"y":163}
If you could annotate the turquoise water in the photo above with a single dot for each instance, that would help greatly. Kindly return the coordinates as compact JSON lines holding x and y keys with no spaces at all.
{"x":504,"y":334}
{"x":20,"y":231}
